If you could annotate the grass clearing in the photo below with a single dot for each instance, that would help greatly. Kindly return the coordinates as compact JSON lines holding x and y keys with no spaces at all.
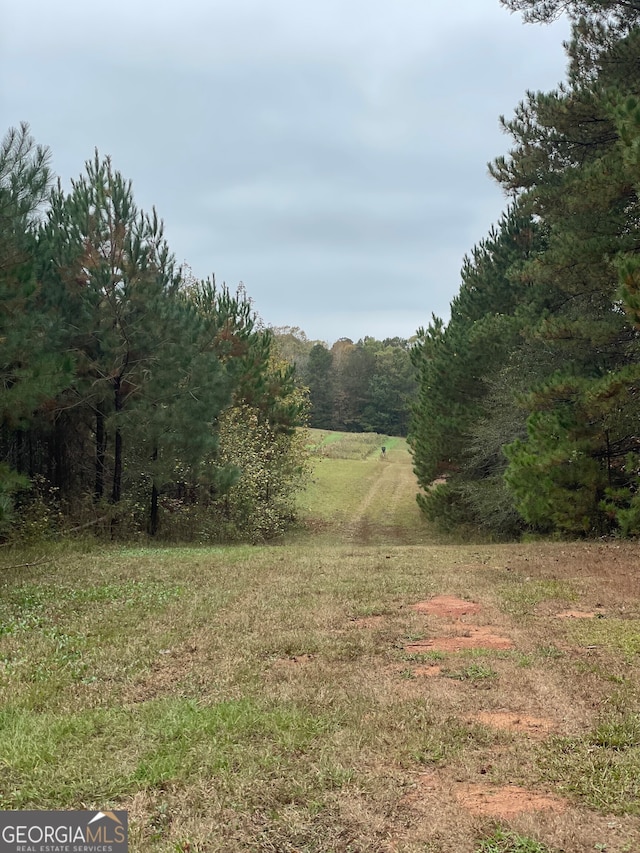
{"x":350,"y":445}
{"x":261,"y":698}
{"x":359,"y":495}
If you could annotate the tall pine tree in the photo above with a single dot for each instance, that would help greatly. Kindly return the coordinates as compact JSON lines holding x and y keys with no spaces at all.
{"x":570,"y":166}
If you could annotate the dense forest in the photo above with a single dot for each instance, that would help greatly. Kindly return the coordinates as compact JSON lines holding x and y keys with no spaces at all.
{"x":528,"y":411}
{"x":366,"y":386}
{"x":134,"y":398}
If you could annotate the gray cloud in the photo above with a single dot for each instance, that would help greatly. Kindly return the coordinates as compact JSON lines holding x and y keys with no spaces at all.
{"x":332,"y":155}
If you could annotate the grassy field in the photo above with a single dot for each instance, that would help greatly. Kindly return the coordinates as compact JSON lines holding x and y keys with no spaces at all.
{"x":359,"y":494}
{"x":290,"y":699}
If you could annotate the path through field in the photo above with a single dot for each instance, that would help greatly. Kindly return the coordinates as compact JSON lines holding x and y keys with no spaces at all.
{"x":360,"y":687}
{"x":361,"y":495}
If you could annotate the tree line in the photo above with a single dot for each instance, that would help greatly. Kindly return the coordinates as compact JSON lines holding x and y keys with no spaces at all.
{"x":366,"y":386}
{"x":528,"y":411}
{"x":134,"y":398}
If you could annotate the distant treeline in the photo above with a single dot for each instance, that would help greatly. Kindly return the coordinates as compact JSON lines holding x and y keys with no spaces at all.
{"x":367,"y":386}
{"x":134,"y":398}
{"x":529,"y":402}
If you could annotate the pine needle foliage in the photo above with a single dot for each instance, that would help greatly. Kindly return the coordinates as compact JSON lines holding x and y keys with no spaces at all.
{"x":560,"y":323}
{"x":117,"y":367}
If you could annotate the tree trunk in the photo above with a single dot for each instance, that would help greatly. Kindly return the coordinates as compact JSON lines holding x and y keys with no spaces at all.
{"x":153,"y":513}
{"x":101,"y":446}
{"x":116,"y":491}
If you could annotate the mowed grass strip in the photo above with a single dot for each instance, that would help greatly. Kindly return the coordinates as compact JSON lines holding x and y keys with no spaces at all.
{"x":101,"y":754}
{"x":359,"y":494}
{"x":231,"y":699}
{"x":337,"y":488}
{"x":345,"y":466}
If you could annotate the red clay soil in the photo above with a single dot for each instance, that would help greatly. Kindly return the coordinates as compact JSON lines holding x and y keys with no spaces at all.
{"x":505,"y":802}
{"x":474,"y":638}
{"x":446,"y":605}
{"x":536,"y":727}
{"x":481,"y":800}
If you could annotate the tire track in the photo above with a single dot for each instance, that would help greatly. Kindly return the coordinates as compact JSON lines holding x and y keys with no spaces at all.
{"x":394,"y":482}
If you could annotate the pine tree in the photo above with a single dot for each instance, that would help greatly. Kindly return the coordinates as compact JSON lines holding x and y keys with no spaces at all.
{"x":29,"y":371}
{"x":617,"y":14}
{"x":318,"y":376}
{"x":571,"y":167}
{"x":146,"y":392}
{"x":32,"y":371}
{"x":458,"y":364}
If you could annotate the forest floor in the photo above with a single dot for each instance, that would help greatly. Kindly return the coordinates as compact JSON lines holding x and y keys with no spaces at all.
{"x":364,"y":686}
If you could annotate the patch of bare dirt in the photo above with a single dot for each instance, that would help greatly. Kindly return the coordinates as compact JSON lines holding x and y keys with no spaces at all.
{"x":483,"y":800}
{"x":473,"y":638}
{"x":168,"y":670}
{"x":427,"y":671}
{"x":535,"y":727}
{"x":506,"y":801}
{"x":576,"y":614}
{"x":446,"y":605}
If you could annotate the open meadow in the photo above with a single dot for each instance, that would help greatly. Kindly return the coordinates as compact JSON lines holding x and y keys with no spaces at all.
{"x":366,"y":685}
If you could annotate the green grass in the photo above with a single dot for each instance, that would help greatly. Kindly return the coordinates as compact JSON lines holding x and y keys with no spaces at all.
{"x":600,"y":768}
{"x":337,"y":485}
{"x":348,"y":445}
{"x":356,"y":494}
{"x":99,"y":754}
{"x":506,"y":841}
{"x":473,"y":672}
{"x":617,"y":635}
{"x":521,"y":595}
{"x":230,"y":699}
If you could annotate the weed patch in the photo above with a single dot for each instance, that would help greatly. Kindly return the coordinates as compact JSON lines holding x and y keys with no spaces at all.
{"x":522,"y":595}
{"x":601,"y":768}
{"x":617,"y":635}
{"x":473,"y":672}
{"x":506,"y":841}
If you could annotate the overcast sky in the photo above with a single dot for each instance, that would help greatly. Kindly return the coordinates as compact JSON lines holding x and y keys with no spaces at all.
{"x":330,"y":154}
